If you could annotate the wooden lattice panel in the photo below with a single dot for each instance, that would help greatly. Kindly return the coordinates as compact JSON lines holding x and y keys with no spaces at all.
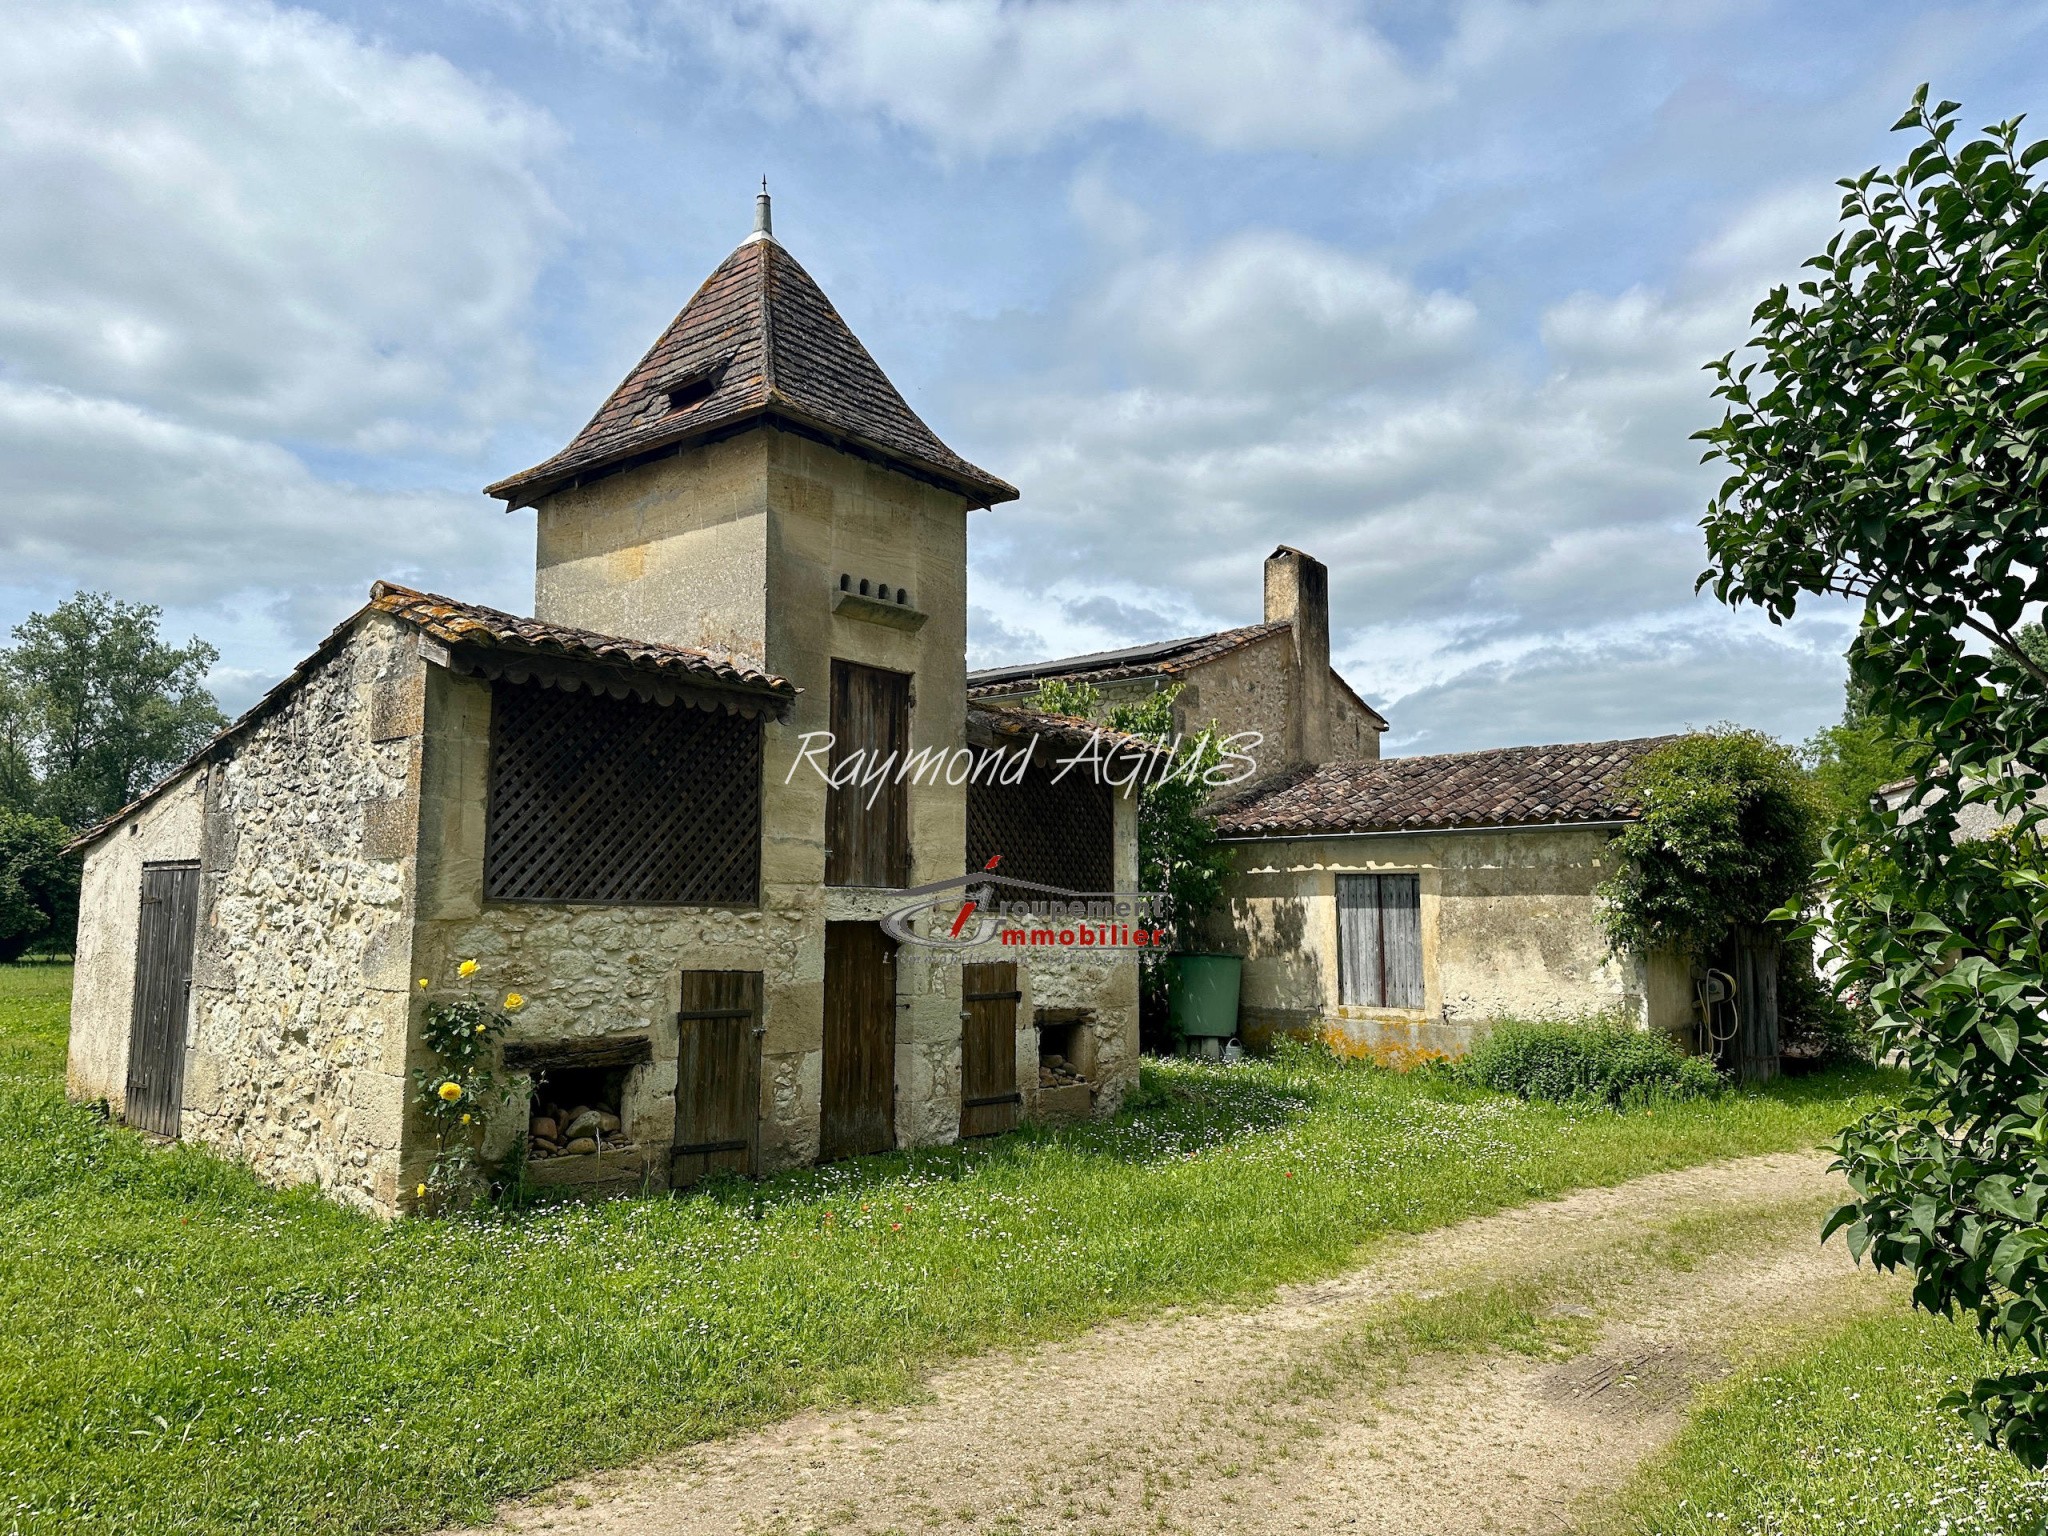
{"x":617,"y":801}
{"x":1059,"y":834}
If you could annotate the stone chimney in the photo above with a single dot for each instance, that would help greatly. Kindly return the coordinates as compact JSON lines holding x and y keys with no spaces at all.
{"x":1298,"y":593}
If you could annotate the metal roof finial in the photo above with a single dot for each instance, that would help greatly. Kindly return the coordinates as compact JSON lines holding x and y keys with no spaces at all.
{"x":764,"y":226}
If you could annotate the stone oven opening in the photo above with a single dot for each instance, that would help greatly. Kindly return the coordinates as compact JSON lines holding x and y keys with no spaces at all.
{"x":577,"y":1108}
{"x":1066,"y":1047}
{"x":576,"y":1111}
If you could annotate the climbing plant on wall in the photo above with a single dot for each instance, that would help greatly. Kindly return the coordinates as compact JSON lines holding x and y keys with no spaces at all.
{"x":1729,"y":833}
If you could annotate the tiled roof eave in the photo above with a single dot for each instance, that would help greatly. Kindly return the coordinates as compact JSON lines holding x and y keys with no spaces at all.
{"x":526,"y":488}
{"x":1247,"y":832}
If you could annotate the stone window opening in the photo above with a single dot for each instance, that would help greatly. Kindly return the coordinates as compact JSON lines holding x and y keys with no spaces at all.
{"x":576,"y":1112}
{"x":1066,"y":1047}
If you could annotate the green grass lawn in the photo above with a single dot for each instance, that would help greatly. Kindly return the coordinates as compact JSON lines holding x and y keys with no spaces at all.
{"x":1843,"y":1438}
{"x":184,"y":1350}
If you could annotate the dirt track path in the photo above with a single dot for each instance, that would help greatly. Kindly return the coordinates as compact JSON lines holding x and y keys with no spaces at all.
{"x":1496,"y":1376}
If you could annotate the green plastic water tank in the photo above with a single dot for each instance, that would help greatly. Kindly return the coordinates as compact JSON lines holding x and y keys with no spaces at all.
{"x":1201,"y":993}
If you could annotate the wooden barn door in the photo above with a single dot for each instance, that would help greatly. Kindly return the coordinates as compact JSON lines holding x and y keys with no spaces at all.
{"x":718,"y":1077}
{"x":869,"y":844}
{"x":163,"y":988}
{"x":988,"y":1049}
{"x":859,"y":1111}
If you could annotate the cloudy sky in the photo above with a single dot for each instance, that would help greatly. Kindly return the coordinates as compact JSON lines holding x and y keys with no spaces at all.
{"x":1421,"y":288}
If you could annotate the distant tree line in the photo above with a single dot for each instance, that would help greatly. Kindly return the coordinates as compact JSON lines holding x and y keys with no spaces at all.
{"x":95,"y":707}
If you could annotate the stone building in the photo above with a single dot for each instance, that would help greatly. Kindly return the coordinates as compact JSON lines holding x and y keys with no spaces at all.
{"x":1397,"y":908}
{"x":650,"y":838}
{"x":1273,"y":678}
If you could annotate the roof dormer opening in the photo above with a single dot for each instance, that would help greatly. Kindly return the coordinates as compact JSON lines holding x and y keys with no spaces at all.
{"x":693,"y":390}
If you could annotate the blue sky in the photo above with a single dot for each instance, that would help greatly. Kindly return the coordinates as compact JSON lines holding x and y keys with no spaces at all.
{"x":1421,"y":288}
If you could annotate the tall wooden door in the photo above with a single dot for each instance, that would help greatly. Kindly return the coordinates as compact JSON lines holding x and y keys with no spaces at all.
{"x":1379,"y":941}
{"x":718,"y":1077}
{"x":859,"y":1111}
{"x":867,"y":821}
{"x":989,"y":1098}
{"x":163,"y":988}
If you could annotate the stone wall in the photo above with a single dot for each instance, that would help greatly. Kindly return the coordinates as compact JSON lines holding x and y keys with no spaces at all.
{"x":167,"y":830}
{"x":1509,"y":930}
{"x":302,"y":975}
{"x":1354,"y":732}
{"x":745,"y":543}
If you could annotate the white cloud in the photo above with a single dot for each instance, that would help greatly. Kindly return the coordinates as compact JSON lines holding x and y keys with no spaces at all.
{"x":105,"y":494}
{"x":985,"y":75}
{"x":233,"y":228}
{"x":249,"y":217}
{"x":1495,"y":519}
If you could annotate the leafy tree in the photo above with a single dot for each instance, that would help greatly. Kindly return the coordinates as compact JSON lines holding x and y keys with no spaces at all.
{"x":1179,"y":856}
{"x":100,"y":706}
{"x":17,"y":771}
{"x":1886,"y":438}
{"x":38,"y":884}
{"x":1728,"y":835}
{"x":1854,"y":758}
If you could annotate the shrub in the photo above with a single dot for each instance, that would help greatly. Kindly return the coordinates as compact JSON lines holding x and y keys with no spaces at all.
{"x":1729,"y":833}
{"x":1603,"y":1061}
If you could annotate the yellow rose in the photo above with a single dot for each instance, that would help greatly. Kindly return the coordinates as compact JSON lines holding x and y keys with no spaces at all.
{"x":514,"y":1002}
{"x":451,"y":1091}
{"x":479,"y":1029}
{"x":467,"y":968}
{"x":421,"y":1192}
{"x":423,"y":983}
{"x":465,"y":1119}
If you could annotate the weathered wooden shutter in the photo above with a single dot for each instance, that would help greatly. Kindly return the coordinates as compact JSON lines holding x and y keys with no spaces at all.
{"x":163,"y":989}
{"x":1061,"y":834}
{"x":718,"y":1076}
{"x":1379,"y":941}
{"x":621,"y":801}
{"x":989,"y":1098}
{"x":859,"y":1090}
{"x":869,"y":843}
{"x":1401,"y":940}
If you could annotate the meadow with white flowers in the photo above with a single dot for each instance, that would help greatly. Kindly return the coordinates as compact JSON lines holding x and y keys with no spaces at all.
{"x":183,"y":1349}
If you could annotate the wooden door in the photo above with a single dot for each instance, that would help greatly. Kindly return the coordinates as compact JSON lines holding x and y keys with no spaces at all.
{"x":867,"y":824}
{"x":1754,"y":1053}
{"x":859,"y":1110}
{"x":163,"y":989}
{"x":718,"y":1077}
{"x":988,"y":1049}
{"x":1379,"y":941}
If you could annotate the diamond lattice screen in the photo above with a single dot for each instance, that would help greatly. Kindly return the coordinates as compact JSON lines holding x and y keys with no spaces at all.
{"x":1055,"y":834}
{"x":596,"y":799}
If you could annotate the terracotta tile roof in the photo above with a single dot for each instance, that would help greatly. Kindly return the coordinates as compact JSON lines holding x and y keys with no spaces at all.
{"x":758,"y":340}
{"x":1506,"y":787}
{"x":1165,"y":658}
{"x":471,"y":624}
{"x":468,"y":623}
{"x":991,"y":725}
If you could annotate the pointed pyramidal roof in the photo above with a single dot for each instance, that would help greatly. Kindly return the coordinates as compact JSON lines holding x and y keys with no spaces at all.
{"x":758,"y":342}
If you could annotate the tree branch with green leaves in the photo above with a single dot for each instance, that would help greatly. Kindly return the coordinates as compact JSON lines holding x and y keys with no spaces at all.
{"x":1885,"y":434}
